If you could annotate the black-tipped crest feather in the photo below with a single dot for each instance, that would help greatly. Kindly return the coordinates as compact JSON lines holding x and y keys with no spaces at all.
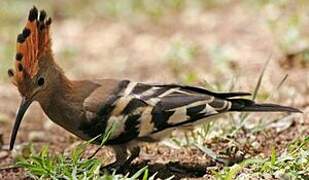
{"x":19,"y":56}
{"x":10,"y":73}
{"x":26,"y":32}
{"x":48,"y":21}
{"x":20,"y":38}
{"x":20,"y":67}
{"x":33,"y":14}
{"x":42,"y":16}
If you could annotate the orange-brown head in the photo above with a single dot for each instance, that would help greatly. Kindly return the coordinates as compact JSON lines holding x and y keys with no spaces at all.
{"x":34,"y":64}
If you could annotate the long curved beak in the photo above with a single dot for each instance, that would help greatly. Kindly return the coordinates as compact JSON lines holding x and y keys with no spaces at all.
{"x":25,"y":103}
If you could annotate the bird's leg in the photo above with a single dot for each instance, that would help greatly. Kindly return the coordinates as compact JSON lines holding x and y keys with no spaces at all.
{"x":122,"y":159}
{"x":134,"y":154}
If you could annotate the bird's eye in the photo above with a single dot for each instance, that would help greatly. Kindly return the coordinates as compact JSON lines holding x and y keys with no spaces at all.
{"x":41,"y":81}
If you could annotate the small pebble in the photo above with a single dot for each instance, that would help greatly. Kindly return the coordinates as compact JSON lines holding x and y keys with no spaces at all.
{"x":267,"y":176}
{"x":279,"y":174}
{"x":252,"y":138}
{"x":256,"y":145}
{"x":242,"y":140}
{"x":37,"y":136}
{"x":3,"y":154}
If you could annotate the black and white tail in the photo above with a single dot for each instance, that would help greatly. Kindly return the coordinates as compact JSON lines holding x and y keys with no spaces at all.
{"x":248,"y":105}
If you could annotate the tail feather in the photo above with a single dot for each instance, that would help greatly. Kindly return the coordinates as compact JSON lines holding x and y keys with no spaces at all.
{"x":248,"y":105}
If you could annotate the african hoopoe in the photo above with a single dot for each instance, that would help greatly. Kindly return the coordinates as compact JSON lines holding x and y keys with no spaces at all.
{"x":87,"y":108}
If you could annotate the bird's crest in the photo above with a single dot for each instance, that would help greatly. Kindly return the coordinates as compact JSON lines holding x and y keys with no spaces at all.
{"x":32,"y":43}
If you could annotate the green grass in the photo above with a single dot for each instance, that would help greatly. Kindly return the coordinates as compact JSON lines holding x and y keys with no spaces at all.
{"x":46,"y":165}
{"x":293,"y":163}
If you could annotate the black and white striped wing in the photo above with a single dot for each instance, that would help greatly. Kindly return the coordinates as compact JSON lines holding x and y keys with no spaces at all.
{"x":139,"y":110}
{"x":170,"y":106}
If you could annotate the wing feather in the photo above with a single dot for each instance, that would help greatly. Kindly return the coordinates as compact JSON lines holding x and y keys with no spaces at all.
{"x":144,"y":109}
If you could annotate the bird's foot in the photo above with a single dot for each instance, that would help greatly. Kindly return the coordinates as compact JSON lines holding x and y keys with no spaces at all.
{"x":114,"y":167}
{"x":121,"y":166}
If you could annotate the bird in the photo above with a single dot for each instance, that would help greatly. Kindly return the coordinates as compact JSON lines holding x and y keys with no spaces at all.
{"x":141,"y":112}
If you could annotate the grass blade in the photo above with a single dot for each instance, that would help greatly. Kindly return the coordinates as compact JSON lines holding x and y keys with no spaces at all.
{"x":259,"y":82}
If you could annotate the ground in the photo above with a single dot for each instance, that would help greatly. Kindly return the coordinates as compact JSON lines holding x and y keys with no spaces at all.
{"x":221,"y":46}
